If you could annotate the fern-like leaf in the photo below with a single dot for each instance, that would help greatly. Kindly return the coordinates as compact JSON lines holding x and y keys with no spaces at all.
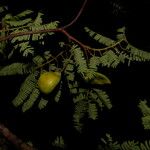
{"x":15,"y":68}
{"x":23,"y":14}
{"x":2,"y":43}
{"x":26,"y":89}
{"x":101,"y":39}
{"x":92,"y":111}
{"x":58,"y":94}
{"x":43,"y":103}
{"x":38,"y":20}
{"x":121,"y":33}
{"x":26,"y":49}
{"x":94,"y":63}
{"x":137,"y":54}
{"x":146,"y":122}
{"x":125,"y":145}
{"x":38,"y":60}
{"x":70,"y":76}
{"x":103,"y":97}
{"x":94,"y":97}
{"x":145,"y":145}
{"x":144,"y":108}
{"x":22,"y":38}
{"x":146,"y":114}
{"x":80,"y":110}
{"x":15,"y":23}
{"x":109,"y":59}
{"x":33,"y":97}
{"x":18,"y":20}
{"x":132,"y":145}
{"x":36,"y":25}
{"x":59,"y":142}
{"x":79,"y":59}
{"x":3,"y":8}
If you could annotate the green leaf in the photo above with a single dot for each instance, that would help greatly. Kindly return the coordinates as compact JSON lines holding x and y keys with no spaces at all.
{"x":38,"y":60}
{"x":29,"y":103}
{"x":80,"y":110}
{"x":26,"y":89}
{"x":58,"y":94}
{"x":144,"y":108}
{"x":59,"y":142}
{"x":22,"y":38}
{"x":14,"y":69}
{"x":100,"y":79}
{"x":100,"y":38}
{"x":92,"y":110}
{"x":43,"y":103}
{"x":23,"y":14}
{"x":14,"y":23}
{"x":79,"y":58}
{"x":103,"y":97}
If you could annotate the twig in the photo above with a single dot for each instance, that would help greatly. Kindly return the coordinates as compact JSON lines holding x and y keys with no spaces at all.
{"x":40,"y":66}
{"x":18,"y":143}
{"x":77,"y":16}
{"x":62,"y":30}
{"x":46,"y":30}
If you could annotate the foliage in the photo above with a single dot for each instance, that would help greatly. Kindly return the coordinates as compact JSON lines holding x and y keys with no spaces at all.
{"x":16,"y":68}
{"x":81,"y":67}
{"x":26,"y":89}
{"x":59,"y":142}
{"x":146,"y":114}
{"x":110,"y":144}
{"x":117,"y":52}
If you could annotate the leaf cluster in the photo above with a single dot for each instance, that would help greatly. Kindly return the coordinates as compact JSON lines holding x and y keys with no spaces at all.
{"x":110,"y":144}
{"x":80,"y":65}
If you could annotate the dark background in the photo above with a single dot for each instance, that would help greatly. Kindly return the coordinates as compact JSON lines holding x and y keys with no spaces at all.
{"x":129,"y":84}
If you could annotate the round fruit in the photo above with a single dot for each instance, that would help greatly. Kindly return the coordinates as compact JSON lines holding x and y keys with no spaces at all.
{"x":48,"y":81}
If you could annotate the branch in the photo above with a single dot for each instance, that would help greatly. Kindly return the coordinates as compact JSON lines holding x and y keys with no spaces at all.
{"x":60,"y":54}
{"x":62,"y":30}
{"x":45,"y":31}
{"x":28,"y":33}
{"x":77,"y":16}
{"x":86,"y":47}
{"x":19,"y":144}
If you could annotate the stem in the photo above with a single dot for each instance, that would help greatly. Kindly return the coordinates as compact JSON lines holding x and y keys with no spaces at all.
{"x":77,"y":16}
{"x":62,"y":30}
{"x":45,"y":30}
{"x":19,"y":144}
{"x":38,"y":67}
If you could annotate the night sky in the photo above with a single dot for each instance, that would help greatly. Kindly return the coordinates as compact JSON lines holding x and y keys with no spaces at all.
{"x":129,"y":84}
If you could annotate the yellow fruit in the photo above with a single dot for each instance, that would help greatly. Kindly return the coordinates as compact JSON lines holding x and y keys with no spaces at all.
{"x":48,"y":81}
